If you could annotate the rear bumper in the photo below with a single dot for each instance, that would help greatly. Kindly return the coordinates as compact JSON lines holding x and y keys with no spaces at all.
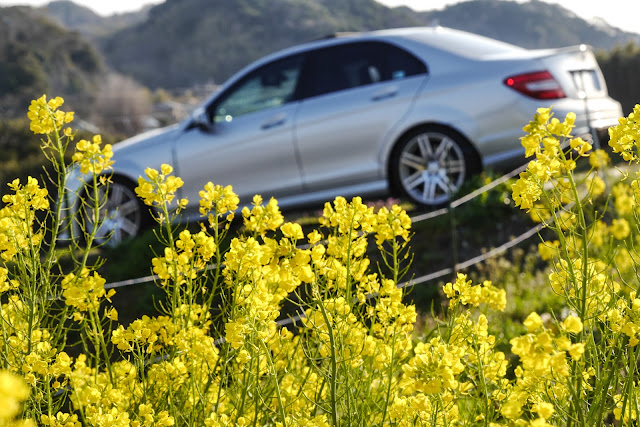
{"x":591,"y":122}
{"x":596,"y":113}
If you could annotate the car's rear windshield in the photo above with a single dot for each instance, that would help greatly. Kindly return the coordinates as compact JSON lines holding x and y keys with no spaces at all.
{"x":464,"y":44}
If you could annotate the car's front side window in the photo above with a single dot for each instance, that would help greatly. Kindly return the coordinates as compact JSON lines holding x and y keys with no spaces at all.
{"x":269,"y":86}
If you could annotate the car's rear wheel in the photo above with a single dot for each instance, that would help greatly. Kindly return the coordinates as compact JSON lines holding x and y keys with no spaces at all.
{"x":120,"y":214}
{"x":430,"y":165}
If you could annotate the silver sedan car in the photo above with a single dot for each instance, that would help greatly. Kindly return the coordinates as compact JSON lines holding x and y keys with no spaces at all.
{"x":411,"y":111}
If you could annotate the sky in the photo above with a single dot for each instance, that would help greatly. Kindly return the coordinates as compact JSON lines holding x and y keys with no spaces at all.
{"x":619,"y":13}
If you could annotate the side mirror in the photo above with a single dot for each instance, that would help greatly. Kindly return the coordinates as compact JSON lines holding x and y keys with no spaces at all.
{"x":200,"y":119}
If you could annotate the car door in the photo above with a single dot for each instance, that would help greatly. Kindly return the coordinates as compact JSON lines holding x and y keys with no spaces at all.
{"x":353,"y":94}
{"x":250,"y":143}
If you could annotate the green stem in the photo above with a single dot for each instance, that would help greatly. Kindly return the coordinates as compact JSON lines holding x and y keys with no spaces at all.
{"x":333,"y":382}
{"x":283,"y":416}
{"x":98,"y":332}
{"x":601,"y":393}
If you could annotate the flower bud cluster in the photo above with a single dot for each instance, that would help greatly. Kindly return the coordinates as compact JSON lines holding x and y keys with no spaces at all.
{"x":91,"y":157}
{"x":159,"y":188}
{"x":45,"y":116}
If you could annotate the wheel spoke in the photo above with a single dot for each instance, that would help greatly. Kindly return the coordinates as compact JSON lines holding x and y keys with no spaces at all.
{"x":412,"y":161}
{"x":128,"y":226}
{"x":116,"y":195}
{"x":443,"y":149}
{"x":454,"y":166}
{"x":413,"y":180}
{"x":429,"y":191}
{"x":128,"y":207}
{"x":444,"y":183}
{"x":426,"y":150}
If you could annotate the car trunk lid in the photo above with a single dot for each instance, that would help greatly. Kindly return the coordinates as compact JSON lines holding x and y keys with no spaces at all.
{"x":575,"y":68}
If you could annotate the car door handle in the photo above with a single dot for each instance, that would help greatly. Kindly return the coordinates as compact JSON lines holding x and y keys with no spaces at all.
{"x":273,"y":122}
{"x":386,"y":94}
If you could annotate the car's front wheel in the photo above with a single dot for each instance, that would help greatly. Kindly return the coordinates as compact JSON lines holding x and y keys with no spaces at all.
{"x":118,"y":215}
{"x":430,"y":165}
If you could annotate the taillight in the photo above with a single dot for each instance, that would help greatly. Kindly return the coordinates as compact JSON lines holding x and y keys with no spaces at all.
{"x":538,"y":85}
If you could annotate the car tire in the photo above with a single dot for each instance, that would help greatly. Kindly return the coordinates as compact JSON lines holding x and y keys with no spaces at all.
{"x":121,"y":214}
{"x":430,"y":165}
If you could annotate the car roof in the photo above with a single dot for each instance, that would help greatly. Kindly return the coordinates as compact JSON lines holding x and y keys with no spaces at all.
{"x":449,"y":40}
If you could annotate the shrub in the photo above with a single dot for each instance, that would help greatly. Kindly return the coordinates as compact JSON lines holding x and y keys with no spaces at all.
{"x":218,"y":355}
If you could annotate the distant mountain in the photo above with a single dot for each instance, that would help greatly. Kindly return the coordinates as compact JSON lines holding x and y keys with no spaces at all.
{"x":38,"y":56}
{"x":84,"y":20}
{"x":184,"y":42}
{"x":195,"y":41}
{"x":534,"y":24}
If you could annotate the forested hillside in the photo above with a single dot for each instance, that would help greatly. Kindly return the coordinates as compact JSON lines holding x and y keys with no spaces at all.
{"x":38,"y":56}
{"x":533,"y":24}
{"x":88,"y":23}
{"x":196,"y":41}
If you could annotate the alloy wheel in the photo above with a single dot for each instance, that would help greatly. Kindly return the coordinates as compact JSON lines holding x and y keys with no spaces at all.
{"x":431,"y":167}
{"x":119,"y":216}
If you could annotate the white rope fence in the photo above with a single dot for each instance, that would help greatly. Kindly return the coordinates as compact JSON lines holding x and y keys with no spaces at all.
{"x":418,"y":218}
{"x":446,"y":271}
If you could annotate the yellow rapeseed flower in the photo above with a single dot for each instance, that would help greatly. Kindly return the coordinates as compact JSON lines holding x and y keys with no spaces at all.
{"x":526,"y":191}
{"x":620,"y":228}
{"x":625,"y":137}
{"x":533,"y":322}
{"x":260,"y":218}
{"x":158,"y":188}
{"x":218,"y":199}
{"x":572,"y":324}
{"x":544,"y":409}
{"x":45,"y":116}
{"x":599,"y":159}
{"x":91,"y":157}
{"x":13,"y":391}
{"x":548,"y":250}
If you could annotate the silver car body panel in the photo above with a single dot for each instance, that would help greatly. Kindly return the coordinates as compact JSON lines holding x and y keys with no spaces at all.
{"x":360,"y":116}
{"x":253,"y":141}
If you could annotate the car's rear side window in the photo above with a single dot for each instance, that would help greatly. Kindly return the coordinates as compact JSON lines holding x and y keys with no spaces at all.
{"x":351,"y":65}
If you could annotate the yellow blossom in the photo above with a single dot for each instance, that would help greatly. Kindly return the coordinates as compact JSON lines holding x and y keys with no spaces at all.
{"x":221,"y":200}
{"x":158,"y":188}
{"x":526,"y":191}
{"x":91,"y":158}
{"x":572,"y":324}
{"x":544,"y":409}
{"x":548,"y":250}
{"x":533,"y":322}
{"x":13,"y":391}
{"x":45,"y":116}
{"x":620,"y":228}
{"x":261,"y":219}
{"x":599,"y":159}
